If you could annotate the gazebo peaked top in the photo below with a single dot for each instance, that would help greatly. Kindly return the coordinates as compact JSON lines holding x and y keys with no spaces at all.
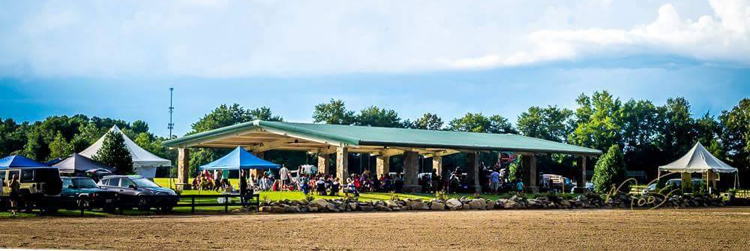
{"x":265,"y":135}
{"x":698,"y":160}
{"x":238,"y":159}
{"x":77,"y":162}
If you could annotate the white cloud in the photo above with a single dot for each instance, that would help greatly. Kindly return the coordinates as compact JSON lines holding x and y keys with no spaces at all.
{"x":206,"y":38}
{"x":722,"y":37}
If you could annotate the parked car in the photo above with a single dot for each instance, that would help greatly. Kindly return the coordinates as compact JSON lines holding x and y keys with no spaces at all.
{"x":83,"y":192}
{"x":557,"y":183}
{"x":136,"y":191}
{"x":589,"y":186}
{"x":40,"y":186}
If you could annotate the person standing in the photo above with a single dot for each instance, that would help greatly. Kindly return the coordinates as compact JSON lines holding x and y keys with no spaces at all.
{"x":15,"y":194}
{"x":284,"y":177}
{"x":243,"y":186}
{"x":494,"y":181}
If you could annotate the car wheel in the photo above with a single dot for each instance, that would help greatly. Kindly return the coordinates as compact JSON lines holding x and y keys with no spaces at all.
{"x":143,"y":204}
{"x":166,"y":209}
{"x":84,"y":203}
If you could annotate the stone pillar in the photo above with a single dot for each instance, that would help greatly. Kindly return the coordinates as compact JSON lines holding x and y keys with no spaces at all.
{"x":256,"y":173}
{"x":411,"y":171}
{"x":437,"y":163}
{"x":533,"y":186}
{"x":382,"y":165}
{"x":581,"y":186}
{"x":342,"y":163}
{"x":472,"y":162}
{"x":183,"y":168}
{"x":323,"y":163}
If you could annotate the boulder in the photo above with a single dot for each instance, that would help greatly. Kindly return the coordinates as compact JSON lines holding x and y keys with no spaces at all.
{"x":320,"y":203}
{"x":477,"y":204}
{"x":277,"y":209}
{"x":353,"y":206}
{"x":391,"y":204}
{"x":511,"y":204}
{"x":417,"y":205}
{"x":565,"y":204}
{"x":490,"y":204}
{"x":453,"y":204}
{"x":292,"y":209}
{"x":437,"y":206}
{"x":501,"y":203}
{"x":366,"y":208}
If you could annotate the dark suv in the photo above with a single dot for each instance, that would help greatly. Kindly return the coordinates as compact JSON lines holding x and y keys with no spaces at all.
{"x":136,"y":191}
{"x":82,"y":192}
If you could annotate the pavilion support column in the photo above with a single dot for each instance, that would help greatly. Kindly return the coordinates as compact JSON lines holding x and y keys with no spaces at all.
{"x":342,"y":163}
{"x":437,"y":164}
{"x":256,"y":173}
{"x":323,"y":162}
{"x":533,"y":186}
{"x":383,"y":165}
{"x":472,"y":162}
{"x":183,"y":168}
{"x":581,"y":186}
{"x":411,"y":171}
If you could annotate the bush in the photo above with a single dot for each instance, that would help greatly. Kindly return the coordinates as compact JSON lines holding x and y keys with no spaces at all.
{"x":609,"y":171}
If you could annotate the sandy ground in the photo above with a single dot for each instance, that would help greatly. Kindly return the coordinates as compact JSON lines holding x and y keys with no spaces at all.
{"x":683,"y":229}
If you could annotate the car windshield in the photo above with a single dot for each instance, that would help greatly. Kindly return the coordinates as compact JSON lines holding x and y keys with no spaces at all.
{"x":84,"y":183}
{"x":143,"y":182}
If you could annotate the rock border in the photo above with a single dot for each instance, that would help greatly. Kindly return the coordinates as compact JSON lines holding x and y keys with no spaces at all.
{"x":590,"y":201}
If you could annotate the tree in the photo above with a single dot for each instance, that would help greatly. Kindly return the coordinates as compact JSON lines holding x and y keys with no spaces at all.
{"x":139,"y":126}
{"x":677,"y":133}
{"x":736,"y":135}
{"x":599,"y":121}
{"x":35,"y":147}
{"x":265,"y":114}
{"x":476,"y":122}
{"x":333,"y":112}
{"x":115,"y":154}
{"x":610,"y":170}
{"x":374,"y":116}
{"x":549,"y":123}
{"x":428,"y":121}
{"x":59,"y":148}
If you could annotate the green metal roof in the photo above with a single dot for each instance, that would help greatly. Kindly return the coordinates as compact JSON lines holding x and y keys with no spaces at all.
{"x":383,"y":136}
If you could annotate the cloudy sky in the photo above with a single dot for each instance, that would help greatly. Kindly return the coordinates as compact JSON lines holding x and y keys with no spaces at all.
{"x":118,"y":58}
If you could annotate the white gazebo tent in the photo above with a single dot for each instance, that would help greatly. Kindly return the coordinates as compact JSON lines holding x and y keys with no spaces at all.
{"x":699,"y":160}
{"x":144,"y":162}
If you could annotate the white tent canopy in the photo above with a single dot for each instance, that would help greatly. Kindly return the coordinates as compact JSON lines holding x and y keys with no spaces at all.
{"x":144,"y":162}
{"x":698,"y":160}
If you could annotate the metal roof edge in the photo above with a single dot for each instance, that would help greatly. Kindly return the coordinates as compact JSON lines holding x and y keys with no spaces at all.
{"x":590,"y":151}
{"x":290,"y":127}
{"x":210,"y":134}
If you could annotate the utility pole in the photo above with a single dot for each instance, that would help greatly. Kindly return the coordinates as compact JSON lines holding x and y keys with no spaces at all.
{"x":171,"y":110}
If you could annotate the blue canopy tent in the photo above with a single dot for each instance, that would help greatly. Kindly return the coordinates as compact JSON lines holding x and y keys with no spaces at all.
{"x":19,"y":161}
{"x":239,"y":159}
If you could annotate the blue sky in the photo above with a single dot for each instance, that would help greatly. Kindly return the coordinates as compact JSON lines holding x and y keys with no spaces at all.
{"x":118,"y":58}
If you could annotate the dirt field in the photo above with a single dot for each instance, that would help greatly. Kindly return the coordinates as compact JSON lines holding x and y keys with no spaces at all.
{"x":725,"y":228}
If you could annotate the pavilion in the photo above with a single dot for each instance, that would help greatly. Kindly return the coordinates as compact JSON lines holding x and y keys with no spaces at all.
{"x":325,"y":140}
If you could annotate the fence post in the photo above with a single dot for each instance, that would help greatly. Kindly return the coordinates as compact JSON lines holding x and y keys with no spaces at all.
{"x":226,"y":203}
{"x":192,"y":204}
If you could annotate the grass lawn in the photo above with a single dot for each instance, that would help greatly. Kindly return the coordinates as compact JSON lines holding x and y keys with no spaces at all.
{"x":297,"y":195}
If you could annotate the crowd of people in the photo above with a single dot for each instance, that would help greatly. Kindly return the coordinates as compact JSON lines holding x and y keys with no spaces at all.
{"x":309,"y":181}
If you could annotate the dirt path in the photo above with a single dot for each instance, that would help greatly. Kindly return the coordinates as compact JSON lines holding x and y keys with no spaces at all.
{"x":725,"y":228}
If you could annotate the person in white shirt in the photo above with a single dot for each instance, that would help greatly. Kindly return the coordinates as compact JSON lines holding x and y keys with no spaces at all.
{"x":284,"y":177}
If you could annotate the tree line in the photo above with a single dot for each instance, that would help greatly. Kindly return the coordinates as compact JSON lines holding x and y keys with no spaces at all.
{"x":648,"y":134}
